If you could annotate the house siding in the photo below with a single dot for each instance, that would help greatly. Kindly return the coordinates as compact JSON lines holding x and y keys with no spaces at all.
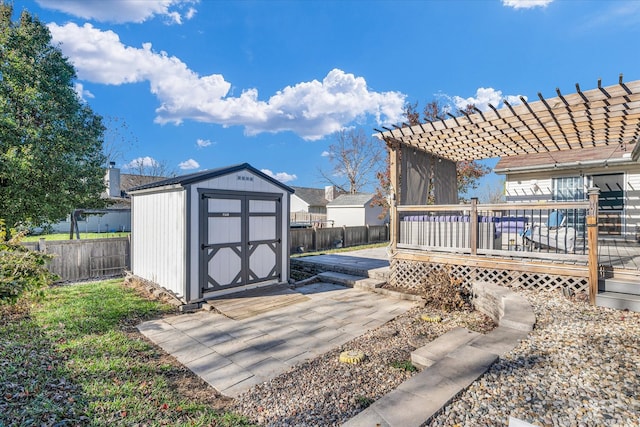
{"x":372,"y":214}
{"x":346,"y":215}
{"x":96,"y":223}
{"x":298,"y":205}
{"x":520,"y":188}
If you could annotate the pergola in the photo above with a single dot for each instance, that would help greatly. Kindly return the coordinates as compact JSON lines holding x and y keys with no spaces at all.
{"x":604,"y":117}
{"x":599,"y":117}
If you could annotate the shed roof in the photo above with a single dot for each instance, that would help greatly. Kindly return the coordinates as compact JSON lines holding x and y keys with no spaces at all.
{"x":359,"y":199}
{"x":600,"y":117}
{"x":184,"y":180}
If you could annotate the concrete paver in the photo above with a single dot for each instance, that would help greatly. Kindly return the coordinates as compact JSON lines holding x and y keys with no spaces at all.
{"x":440,"y":347}
{"x":235,"y":355}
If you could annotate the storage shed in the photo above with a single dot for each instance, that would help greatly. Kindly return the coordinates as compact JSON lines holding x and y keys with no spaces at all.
{"x":351,"y":210}
{"x":212,"y":232}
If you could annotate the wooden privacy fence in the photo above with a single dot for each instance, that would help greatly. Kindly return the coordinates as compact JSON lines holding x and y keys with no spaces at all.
{"x":85,"y":259}
{"x":90,"y":258}
{"x":317,"y":239}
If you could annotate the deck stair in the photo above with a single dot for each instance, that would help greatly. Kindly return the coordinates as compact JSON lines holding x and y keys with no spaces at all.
{"x":619,"y":294}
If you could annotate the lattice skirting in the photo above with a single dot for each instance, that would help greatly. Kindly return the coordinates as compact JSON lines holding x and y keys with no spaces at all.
{"x":410,"y":275}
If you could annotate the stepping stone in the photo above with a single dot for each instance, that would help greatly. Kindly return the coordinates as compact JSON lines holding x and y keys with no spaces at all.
{"x":442,"y":346}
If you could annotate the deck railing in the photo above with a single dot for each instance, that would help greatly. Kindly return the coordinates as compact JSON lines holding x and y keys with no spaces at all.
{"x":556,"y":230}
{"x":309,"y":219}
{"x":553,"y":231}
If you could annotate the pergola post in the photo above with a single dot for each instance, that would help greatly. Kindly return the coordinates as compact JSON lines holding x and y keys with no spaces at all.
{"x":394,"y":165}
{"x":592,"y":240}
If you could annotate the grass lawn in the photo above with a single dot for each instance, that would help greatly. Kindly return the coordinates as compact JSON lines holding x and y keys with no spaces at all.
{"x":76,"y":359}
{"x":65,"y":236}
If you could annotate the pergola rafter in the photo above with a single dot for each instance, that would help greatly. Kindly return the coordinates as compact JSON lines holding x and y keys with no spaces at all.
{"x":600,"y":117}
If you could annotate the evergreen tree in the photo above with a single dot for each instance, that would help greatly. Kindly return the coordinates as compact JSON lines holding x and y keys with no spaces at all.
{"x":50,"y":141}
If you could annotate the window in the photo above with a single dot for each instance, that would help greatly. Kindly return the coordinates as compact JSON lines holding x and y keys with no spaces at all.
{"x":571,"y":189}
{"x":568,"y":189}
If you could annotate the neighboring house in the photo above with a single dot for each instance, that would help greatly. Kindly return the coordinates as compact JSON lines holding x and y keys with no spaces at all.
{"x":117,"y":216}
{"x":309,"y":205}
{"x":353,"y":210}
{"x":567,"y":175}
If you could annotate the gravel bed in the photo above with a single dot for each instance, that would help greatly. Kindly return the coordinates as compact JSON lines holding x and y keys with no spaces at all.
{"x":579,"y":367}
{"x":325,"y":392}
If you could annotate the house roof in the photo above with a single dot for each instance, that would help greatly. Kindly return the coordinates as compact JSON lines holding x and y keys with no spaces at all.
{"x":312,"y":196}
{"x":191,"y":178}
{"x":585,"y":157}
{"x":601,"y":117}
{"x":129,"y":181}
{"x":359,"y":199}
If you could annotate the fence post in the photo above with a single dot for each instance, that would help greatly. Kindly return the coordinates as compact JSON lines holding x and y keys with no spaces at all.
{"x":42,"y":245}
{"x":344,"y":236}
{"x":368,"y":240}
{"x":473,"y":226}
{"x":592,"y":238}
{"x":314,"y":239}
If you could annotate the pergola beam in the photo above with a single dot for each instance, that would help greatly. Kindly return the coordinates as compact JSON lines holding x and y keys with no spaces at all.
{"x":599,"y":117}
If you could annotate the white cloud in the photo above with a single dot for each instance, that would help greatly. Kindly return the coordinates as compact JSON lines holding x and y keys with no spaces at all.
{"x":526,"y":4}
{"x":310,"y":109}
{"x":81,"y":92}
{"x":515,"y":99}
{"x":325,"y":154}
{"x":484,"y":97}
{"x":190,"y":13}
{"x":121,"y":11}
{"x":201,"y":143}
{"x":189,"y":164}
{"x":142,"y":162}
{"x":280,"y":176}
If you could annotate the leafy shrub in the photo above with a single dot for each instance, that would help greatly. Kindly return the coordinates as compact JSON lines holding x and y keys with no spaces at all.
{"x":442,"y":290}
{"x":21,"y":270}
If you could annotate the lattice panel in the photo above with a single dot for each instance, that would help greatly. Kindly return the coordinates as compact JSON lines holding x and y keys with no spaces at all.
{"x":410,"y":275}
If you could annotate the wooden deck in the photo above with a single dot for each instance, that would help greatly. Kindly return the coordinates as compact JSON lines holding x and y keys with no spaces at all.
{"x":619,"y":254}
{"x":251,"y":303}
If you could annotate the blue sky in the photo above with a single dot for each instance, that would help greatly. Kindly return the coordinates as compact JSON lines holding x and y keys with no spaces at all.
{"x":205,"y":84}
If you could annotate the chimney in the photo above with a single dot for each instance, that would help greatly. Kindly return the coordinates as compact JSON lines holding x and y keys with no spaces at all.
{"x":329,"y":193}
{"x":112,"y":180}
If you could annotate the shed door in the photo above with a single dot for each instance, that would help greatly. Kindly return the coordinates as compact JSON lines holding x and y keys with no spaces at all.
{"x":240,"y":239}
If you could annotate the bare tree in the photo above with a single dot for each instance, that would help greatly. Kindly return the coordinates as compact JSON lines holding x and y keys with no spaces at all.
{"x":145,"y":170}
{"x":493,"y":193}
{"x":118,"y":139}
{"x":355,"y":159}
